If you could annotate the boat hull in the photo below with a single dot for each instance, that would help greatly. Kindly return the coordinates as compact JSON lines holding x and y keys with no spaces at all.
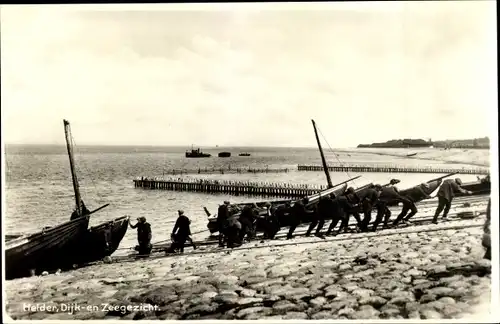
{"x":98,"y":242}
{"x":224,"y":154}
{"x":477,"y":188}
{"x":204,"y":155}
{"x":45,"y":250}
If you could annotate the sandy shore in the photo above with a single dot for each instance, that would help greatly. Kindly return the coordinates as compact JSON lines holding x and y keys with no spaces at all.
{"x":474,"y":157}
{"x":426,"y":275}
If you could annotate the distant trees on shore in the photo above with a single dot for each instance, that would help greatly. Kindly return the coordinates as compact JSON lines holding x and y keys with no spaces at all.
{"x":477,"y":143}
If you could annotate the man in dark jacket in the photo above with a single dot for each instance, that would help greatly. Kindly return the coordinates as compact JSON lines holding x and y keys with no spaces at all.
{"x":353,"y":202}
{"x":368,"y":200}
{"x":232,"y":231}
{"x":339,"y":207}
{"x":413,"y":195}
{"x":298,"y":214}
{"x":323,"y":211}
{"x":387,"y":195}
{"x":222,"y":216}
{"x":486,"y":241}
{"x":181,"y":233}
{"x":445,"y":196}
{"x":272,"y":219}
{"x":144,"y":235}
{"x":85,"y":211}
{"x":247,"y":220}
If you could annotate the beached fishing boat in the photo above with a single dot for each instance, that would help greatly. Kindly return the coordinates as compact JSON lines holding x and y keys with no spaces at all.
{"x":479,"y":187}
{"x":32,"y":254}
{"x":225,"y":154}
{"x":61,"y":246}
{"x":98,"y":241}
{"x":197,"y":153}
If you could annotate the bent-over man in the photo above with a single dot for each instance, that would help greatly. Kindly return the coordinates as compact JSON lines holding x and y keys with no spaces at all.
{"x":144,"y":236}
{"x":413,"y":195}
{"x":445,"y":196}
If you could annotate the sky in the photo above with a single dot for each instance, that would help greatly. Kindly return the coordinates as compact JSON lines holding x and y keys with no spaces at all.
{"x":249,"y":75}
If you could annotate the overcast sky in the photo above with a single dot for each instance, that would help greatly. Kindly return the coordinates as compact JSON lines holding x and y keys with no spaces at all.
{"x":249,"y":75}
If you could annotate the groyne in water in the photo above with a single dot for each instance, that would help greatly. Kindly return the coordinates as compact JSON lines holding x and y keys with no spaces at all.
{"x":229,"y":187}
{"x":392,"y":169}
{"x":226,"y":170}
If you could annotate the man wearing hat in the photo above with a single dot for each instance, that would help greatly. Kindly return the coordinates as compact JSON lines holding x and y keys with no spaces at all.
{"x":298,"y":213}
{"x":413,"y":195}
{"x":247,"y":219}
{"x":272,"y":219}
{"x":445,"y":196}
{"x":181,"y":232}
{"x":144,"y":235}
{"x":486,"y":241}
{"x":388,"y":194}
{"x":232,"y":229}
{"x":368,"y":200}
{"x":222,"y":216}
{"x":353,"y":202}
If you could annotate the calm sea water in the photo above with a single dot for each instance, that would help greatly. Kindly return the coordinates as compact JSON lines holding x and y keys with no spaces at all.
{"x":39,"y":191}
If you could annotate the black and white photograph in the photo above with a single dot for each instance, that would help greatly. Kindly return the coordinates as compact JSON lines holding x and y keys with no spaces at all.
{"x":307,"y":161}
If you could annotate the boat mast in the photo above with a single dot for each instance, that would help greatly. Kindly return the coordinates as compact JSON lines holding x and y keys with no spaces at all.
{"x":76,"y":187}
{"x":323,"y":160}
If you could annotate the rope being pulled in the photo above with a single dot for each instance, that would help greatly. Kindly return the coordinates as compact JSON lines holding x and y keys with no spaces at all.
{"x":336,"y":239}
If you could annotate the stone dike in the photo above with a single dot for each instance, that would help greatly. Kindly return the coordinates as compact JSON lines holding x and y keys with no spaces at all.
{"x":426,"y":275}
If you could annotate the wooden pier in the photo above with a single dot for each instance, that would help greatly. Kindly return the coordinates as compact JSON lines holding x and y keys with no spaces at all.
{"x":229,"y":187}
{"x":227,"y":170}
{"x":392,"y":169}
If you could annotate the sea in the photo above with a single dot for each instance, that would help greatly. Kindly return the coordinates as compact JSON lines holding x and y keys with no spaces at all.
{"x":39,"y":193}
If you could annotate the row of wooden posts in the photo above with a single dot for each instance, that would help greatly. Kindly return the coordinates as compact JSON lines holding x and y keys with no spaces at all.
{"x":334,"y":168}
{"x":392,"y":169}
{"x":229,"y":187}
{"x":225,"y":170}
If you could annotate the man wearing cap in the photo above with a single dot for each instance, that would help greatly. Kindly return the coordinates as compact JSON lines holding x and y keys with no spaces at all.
{"x":486,"y":241}
{"x":273,"y":216}
{"x":181,"y":232}
{"x":339,"y":207}
{"x":413,"y":195}
{"x":222,"y":216}
{"x":298,"y":213}
{"x":445,"y":196}
{"x":247,"y":220}
{"x":353,"y":200}
{"x":368,"y":200}
{"x":232,"y":231}
{"x":325,"y":208}
{"x":388,"y":194}
{"x":144,"y":235}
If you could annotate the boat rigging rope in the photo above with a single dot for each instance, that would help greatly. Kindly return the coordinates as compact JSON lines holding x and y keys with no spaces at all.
{"x":82,"y":163}
{"x":334,"y":154}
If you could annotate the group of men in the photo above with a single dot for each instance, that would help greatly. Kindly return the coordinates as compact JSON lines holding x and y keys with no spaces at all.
{"x":233,"y":228}
{"x":379,"y":198}
{"x":236,"y":223}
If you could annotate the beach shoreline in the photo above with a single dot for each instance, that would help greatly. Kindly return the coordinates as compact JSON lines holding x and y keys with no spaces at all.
{"x":474,"y":157}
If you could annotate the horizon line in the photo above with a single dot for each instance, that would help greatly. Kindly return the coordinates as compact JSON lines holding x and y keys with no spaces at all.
{"x":162,"y":145}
